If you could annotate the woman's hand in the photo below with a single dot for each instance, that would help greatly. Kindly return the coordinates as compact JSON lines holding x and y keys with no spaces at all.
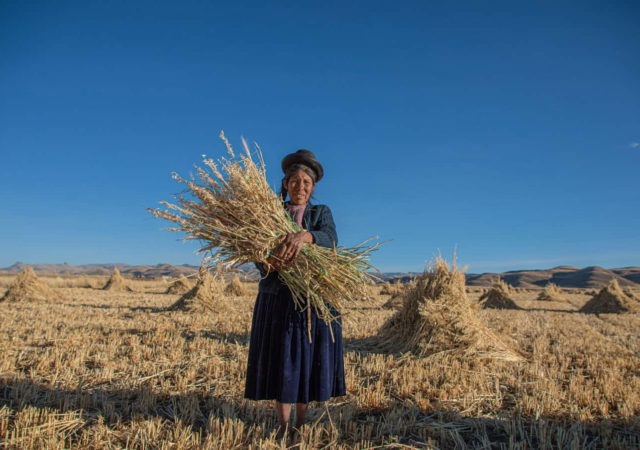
{"x":289,"y":248}
{"x":271,"y":264}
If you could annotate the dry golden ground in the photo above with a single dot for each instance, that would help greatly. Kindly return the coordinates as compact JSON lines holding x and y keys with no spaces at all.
{"x":112,"y":369}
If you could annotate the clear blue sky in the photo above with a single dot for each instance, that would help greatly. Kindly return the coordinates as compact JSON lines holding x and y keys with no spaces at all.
{"x":510,"y":129}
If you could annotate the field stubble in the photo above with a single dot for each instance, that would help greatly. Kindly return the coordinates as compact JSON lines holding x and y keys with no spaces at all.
{"x":114,"y":369}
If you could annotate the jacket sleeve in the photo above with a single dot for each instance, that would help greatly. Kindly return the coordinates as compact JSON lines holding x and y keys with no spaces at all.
{"x":324,"y":232}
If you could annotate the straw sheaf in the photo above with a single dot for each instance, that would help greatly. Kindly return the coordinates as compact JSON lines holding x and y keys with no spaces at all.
{"x":498,"y":297}
{"x":611,"y":299}
{"x":437,"y":317}
{"x":236,"y":288}
{"x":117,"y":282}
{"x":28,"y":287}
{"x":551,"y":293}
{"x":206,"y":294}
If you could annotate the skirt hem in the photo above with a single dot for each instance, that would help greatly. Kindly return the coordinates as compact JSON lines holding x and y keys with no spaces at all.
{"x":273,"y":397}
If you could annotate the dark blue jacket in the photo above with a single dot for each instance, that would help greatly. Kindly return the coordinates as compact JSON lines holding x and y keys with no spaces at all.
{"x":317,"y":220}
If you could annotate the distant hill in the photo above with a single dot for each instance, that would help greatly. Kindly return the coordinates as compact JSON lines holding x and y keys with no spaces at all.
{"x":630,"y":273}
{"x":563,"y":276}
{"x":592,"y":277}
{"x":146,"y":271}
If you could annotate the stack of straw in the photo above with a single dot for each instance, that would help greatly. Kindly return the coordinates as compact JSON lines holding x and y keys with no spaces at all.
{"x":611,"y":299}
{"x":235,"y":288}
{"x":116,"y":282}
{"x":437,"y":317}
{"x":205,"y":294}
{"x":240,"y":219}
{"x":551,"y":293}
{"x":28,"y":287}
{"x":498,"y":297}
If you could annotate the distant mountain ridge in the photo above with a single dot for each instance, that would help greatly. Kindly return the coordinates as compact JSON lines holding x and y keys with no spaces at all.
{"x":591,"y":277}
{"x":141,"y":271}
{"x":563,"y":276}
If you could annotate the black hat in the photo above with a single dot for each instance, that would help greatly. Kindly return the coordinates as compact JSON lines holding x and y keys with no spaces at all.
{"x":305,"y":157}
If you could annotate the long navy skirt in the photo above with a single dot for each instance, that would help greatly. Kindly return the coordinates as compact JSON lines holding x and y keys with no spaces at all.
{"x":282,"y":364}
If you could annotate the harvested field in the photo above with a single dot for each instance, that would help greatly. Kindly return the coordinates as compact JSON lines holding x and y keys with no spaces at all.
{"x":115,"y":369}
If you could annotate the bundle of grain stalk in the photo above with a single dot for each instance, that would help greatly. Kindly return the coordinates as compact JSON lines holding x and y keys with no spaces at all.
{"x":116,"y":282}
{"x":236,"y":288}
{"x":28,"y":287}
{"x":611,"y":299}
{"x":551,"y":293}
{"x":437,"y":317}
{"x":498,"y":297}
{"x":179,"y":286}
{"x":241,"y":219}
{"x":206,"y":294}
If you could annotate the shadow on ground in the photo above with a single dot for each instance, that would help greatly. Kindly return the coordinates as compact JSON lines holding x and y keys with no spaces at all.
{"x":405,"y":423}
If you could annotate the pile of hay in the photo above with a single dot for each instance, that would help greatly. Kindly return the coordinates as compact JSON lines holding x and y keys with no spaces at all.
{"x":235,"y":287}
{"x":437,"y":317}
{"x":116,"y":283}
{"x":179,"y":286}
{"x":611,"y":299}
{"x":28,"y":287}
{"x":551,"y":293}
{"x":205,"y":295}
{"x":498,"y":297}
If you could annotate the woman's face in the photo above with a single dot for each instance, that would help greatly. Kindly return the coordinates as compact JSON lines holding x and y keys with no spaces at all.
{"x":299,"y":186}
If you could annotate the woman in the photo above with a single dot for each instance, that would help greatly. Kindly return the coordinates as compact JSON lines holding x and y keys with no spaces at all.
{"x":283,"y":365}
